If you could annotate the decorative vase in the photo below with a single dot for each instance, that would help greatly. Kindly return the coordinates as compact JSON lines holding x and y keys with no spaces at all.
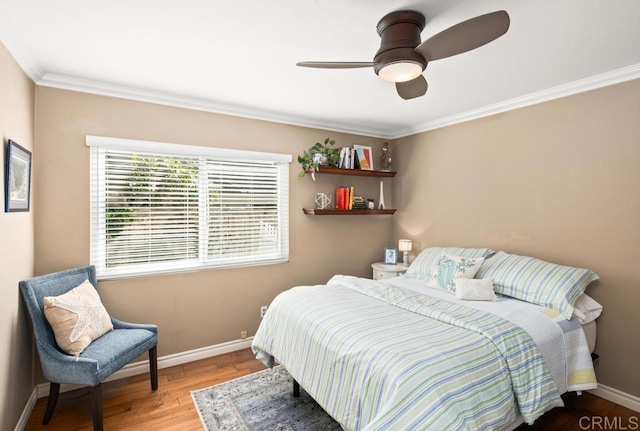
{"x":385,"y":158}
{"x":381,"y":200}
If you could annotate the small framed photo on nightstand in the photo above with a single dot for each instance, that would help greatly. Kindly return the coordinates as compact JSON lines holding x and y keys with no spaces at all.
{"x":390,"y":256}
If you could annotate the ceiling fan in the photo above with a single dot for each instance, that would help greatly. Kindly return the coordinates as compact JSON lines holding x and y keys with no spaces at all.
{"x":402,"y":57}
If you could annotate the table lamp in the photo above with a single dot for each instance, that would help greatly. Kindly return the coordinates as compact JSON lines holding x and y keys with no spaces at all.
{"x":404,"y":245}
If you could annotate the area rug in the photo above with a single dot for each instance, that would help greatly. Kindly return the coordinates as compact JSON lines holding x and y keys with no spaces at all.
{"x":262,"y":401}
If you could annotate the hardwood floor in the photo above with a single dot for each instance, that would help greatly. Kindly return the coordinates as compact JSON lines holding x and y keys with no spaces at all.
{"x":586,"y":412}
{"x":130,"y":404}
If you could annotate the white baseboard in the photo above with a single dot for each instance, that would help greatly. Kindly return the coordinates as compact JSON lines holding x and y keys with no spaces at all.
{"x":202,"y":353}
{"x":24,"y":418}
{"x":135,"y":368}
{"x":616,"y":396}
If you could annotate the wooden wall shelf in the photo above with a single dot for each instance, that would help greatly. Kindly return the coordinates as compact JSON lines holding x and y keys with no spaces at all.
{"x":355,"y":172}
{"x":314,"y":211}
{"x":351,"y":172}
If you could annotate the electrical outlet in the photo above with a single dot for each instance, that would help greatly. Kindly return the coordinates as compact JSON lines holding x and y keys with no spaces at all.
{"x":263,"y":311}
{"x":243,"y":334}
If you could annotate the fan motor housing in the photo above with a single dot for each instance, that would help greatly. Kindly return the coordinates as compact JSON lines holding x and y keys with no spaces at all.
{"x":400,"y":34}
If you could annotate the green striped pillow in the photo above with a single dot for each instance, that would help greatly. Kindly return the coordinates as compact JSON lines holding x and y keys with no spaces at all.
{"x":536,"y":281}
{"x":424,"y":266}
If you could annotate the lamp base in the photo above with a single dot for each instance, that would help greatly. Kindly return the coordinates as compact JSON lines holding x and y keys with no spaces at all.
{"x":405,"y":258}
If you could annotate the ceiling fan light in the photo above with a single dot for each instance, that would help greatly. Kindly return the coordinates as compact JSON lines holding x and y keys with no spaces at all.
{"x":400,"y":71}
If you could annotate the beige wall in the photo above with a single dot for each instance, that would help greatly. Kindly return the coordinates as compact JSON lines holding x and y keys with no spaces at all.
{"x":195,"y":309}
{"x":559,"y":181}
{"x":16,"y":252}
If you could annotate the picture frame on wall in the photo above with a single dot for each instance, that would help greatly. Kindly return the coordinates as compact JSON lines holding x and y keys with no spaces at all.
{"x":365,"y":157}
{"x":17,"y":178}
{"x":390,"y":256}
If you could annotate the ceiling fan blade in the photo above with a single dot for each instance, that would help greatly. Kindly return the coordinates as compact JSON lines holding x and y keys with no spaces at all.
{"x":411,"y":89}
{"x":336,"y":64}
{"x":465,"y":36}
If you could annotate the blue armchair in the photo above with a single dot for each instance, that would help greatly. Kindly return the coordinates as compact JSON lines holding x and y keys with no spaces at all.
{"x":100,"y":359}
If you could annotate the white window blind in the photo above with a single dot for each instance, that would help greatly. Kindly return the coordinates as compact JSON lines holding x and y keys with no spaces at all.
{"x":159,"y":207}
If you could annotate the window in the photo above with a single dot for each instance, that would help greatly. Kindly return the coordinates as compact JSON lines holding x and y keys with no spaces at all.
{"x":159,"y":207}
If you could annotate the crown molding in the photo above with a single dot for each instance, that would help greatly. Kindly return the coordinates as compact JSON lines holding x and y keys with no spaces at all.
{"x":580,"y":86}
{"x":16,"y":44}
{"x":598,"y":81}
{"x":141,"y":95}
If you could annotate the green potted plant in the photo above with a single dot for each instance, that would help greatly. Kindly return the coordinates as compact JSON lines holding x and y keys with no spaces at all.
{"x":321,"y":154}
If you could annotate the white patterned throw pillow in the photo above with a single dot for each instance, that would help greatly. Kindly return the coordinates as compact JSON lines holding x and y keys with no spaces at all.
{"x":77,"y":318}
{"x":451,"y":267}
{"x":475,"y":289}
{"x":424,"y":266}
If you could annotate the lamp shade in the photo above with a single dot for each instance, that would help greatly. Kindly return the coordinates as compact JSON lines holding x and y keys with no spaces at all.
{"x":404,"y":245}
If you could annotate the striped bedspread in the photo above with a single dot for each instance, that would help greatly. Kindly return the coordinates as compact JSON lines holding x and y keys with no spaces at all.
{"x":561,"y":342}
{"x":426,"y":363}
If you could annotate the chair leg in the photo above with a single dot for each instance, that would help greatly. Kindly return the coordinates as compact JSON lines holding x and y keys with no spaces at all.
{"x":54,"y":391}
{"x":153,"y":367}
{"x":96,"y":406}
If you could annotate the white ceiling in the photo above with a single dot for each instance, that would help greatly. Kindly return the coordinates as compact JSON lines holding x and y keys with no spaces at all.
{"x":239,"y":56}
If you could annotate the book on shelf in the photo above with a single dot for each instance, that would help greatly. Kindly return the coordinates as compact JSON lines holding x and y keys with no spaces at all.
{"x":343,"y":156}
{"x":342,"y":198}
{"x":359,"y":203}
{"x":346,"y":199}
{"x":350,"y":201}
{"x":348,"y":158}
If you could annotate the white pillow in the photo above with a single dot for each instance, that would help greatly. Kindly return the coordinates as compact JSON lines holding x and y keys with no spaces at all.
{"x":451,"y":267}
{"x":475,"y":289}
{"x":586,"y":309}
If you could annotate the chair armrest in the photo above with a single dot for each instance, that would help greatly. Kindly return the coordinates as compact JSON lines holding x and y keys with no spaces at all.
{"x":60,"y":367}
{"x":55,"y":355}
{"x":119,"y":324}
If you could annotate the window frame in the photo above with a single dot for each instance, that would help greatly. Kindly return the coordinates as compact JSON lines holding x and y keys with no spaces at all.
{"x":99,"y":144}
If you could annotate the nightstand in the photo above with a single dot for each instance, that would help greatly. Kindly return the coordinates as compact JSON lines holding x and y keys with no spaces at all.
{"x":382,"y":270}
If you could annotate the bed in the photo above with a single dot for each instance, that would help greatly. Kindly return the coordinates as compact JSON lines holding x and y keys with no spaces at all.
{"x":400,"y":354}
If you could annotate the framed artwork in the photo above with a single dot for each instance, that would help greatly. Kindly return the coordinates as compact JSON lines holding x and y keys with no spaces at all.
{"x":365,"y":157}
{"x":390,"y":256}
{"x":17,"y":178}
